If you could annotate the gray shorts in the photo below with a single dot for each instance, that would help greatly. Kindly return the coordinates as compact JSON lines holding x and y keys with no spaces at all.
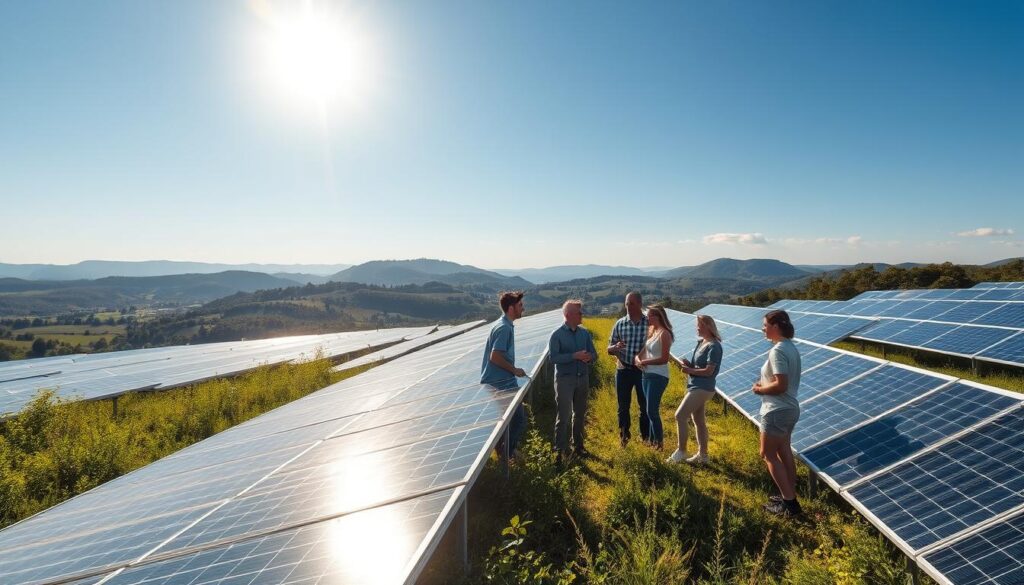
{"x":780,"y":422}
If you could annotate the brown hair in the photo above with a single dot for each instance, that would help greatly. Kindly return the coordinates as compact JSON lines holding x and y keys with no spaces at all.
{"x":781,"y":318}
{"x":662,"y":316}
{"x":508,"y":299}
{"x":711,"y":326}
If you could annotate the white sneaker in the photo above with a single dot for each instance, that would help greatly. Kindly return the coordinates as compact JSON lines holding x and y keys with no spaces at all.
{"x":698,"y":459}
{"x":677,"y":456}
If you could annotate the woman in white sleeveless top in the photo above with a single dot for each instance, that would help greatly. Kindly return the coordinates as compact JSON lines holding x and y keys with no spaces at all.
{"x":653,"y":360}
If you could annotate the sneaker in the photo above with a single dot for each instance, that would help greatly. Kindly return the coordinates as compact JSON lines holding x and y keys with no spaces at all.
{"x":623,"y":441}
{"x":678,"y":456}
{"x":783,"y":509}
{"x":774,"y":499}
{"x":698,"y":459}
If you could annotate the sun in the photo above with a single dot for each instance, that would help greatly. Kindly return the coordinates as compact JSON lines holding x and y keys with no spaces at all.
{"x":316,"y":56}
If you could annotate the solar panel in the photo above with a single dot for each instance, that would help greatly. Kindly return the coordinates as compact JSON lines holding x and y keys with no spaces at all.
{"x":909,"y":430}
{"x":98,"y":376}
{"x":991,"y":556}
{"x":952,"y":488}
{"x":416,"y":427}
{"x":859,"y":400}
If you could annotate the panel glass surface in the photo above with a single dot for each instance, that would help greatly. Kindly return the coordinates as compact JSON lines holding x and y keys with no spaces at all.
{"x":960,"y":484}
{"x":831,"y":374}
{"x":993,"y":556}
{"x":967,"y":340}
{"x":859,"y":401}
{"x":909,"y":430}
{"x":373,"y":546}
{"x":1010,"y":351}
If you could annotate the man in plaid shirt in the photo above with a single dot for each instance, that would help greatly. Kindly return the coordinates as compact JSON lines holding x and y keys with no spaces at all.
{"x":627,"y":340}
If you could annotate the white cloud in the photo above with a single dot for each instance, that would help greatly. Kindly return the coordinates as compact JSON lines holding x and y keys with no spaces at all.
{"x":754,"y":239}
{"x":851,"y":241}
{"x":985,"y":232}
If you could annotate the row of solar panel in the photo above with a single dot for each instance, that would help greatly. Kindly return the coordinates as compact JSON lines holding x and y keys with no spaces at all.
{"x":990,"y":313}
{"x":351,"y":484}
{"x":406,"y":347}
{"x":981,"y":330}
{"x":948,"y":294}
{"x":935,"y":463}
{"x":1017,"y":285}
{"x":94,"y":376}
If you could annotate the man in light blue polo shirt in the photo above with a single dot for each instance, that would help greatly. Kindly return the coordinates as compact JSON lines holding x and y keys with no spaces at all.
{"x":499,"y":363}
{"x":571,"y":349}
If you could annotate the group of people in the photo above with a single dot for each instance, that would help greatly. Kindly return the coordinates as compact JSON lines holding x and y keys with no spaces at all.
{"x":641,"y":344}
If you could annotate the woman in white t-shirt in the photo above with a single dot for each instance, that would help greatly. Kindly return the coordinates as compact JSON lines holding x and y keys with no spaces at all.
{"x":653,"y":360}
{"x":780,"y":380}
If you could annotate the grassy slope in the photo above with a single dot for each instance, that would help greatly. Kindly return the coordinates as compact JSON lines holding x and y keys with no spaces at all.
{"x":53,"y":450}
{"x":643,"y":521}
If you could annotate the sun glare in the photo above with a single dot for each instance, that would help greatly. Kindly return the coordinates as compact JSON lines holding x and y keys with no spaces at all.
{"x":316,"y":56}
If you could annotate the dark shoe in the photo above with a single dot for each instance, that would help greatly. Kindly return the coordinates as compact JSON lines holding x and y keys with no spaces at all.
{"x":581,"y":452}
{"x":623,"y":441}
{"x":784,"y":509}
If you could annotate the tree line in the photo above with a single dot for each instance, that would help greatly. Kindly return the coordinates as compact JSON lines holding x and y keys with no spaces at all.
{"x":847,"y":284}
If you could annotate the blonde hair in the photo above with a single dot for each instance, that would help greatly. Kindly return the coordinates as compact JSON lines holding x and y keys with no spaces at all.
{"x":712,"y":328}
{"x":572,"y":303}
{"x":662,"y":316}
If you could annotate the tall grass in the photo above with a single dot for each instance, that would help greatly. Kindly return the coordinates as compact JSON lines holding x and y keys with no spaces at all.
{"x":54,"y":449}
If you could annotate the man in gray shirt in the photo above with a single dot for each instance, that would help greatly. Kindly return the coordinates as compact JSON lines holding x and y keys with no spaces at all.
{"x":571,"y":349}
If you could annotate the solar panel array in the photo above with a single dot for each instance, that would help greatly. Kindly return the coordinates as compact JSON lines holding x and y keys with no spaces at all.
{"x":935,"y":463}
{"x":406,"y":347}
{"x":104,"y":375}
{"x":354,"y":483}
{"x":823,"y":329}
{"x":989,"y":330}
{"x":1016,"y":285}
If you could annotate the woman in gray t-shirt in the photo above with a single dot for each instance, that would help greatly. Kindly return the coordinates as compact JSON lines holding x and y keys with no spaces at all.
{"x":780,"y":380}
{"x":701,"y":369}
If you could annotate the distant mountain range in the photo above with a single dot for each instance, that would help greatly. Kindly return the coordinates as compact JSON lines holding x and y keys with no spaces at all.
{"x":573,"y":272}
{"x":93,"y":269}
{"x":41,"y":297}
{"x":422,"y":271}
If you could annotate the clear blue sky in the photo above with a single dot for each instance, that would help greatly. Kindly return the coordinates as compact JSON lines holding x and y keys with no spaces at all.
{"x":513,"y":134}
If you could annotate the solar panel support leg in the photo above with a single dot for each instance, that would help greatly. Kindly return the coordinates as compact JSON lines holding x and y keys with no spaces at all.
{"x":883,"y":353}
{"x":113,"y":407}
{"x":505,"y":453}
{"x":812,"y":484}
{"x":462,"y":535}
{"x":913,"y":571}
{"x":974,"y":366}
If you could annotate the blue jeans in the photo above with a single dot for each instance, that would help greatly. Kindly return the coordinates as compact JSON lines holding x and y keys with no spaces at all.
{"x":516,"y":426}
{"x":654,"y":388}
{"x":626,"y":380}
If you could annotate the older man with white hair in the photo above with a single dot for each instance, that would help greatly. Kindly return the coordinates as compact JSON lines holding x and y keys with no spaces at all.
{"x":571,"y":349}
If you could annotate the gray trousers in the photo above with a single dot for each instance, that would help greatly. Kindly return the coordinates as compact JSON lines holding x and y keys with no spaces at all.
{"x":571,"y":405}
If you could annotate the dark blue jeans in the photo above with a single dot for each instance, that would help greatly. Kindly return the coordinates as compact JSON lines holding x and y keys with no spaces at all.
{"x":654,"y":388}
{"x":627,"y":382}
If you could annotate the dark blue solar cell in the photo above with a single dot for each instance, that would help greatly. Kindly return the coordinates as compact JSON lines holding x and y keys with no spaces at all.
{"x":964,"y":294}
{"x":960,"y":484}
{"x":968,"y":340}
{"x":749,"y":403}
{"x":996,"y":295}
{"x":858,"y":401}
{"x":966,"y":312}
{"x":811,"y":356}
{"x":884,"y":329}
{"x":831,"y":374}
{"x":993,"y":555}
{"x":899,"y":308}
{"x":930,"y":310}
{"x":902,"y":433}
{"x":1010,"y":351}
{"x":936,"y":293}
{"x":739,"y":379}
{"x":1008,"y":315}
{"x":920,"y":334}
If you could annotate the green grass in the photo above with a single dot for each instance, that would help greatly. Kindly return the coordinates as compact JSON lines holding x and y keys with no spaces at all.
{"x":625,"y":516}
{"x":54,"y":449}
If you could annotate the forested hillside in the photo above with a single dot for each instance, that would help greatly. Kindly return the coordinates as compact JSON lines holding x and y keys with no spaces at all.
{"x":847,"y":284}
